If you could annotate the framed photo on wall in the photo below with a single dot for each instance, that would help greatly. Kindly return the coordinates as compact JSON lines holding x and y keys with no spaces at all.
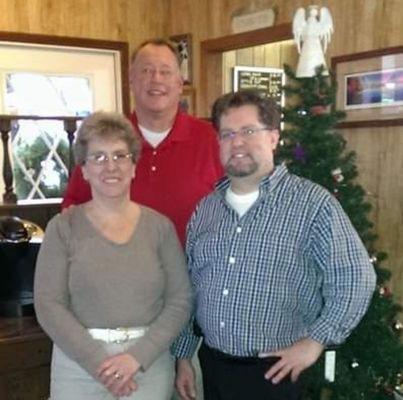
{"x":268,"y":81}
{"x":370,"y":87}
{"x":184,"y":46}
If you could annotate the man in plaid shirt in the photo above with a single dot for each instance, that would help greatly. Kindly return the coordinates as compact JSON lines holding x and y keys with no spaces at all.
{"x":278,"y":270}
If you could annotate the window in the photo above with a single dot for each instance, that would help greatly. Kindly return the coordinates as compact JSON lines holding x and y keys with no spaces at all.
{"x":53,"y":81}
{"x":40,"y":148}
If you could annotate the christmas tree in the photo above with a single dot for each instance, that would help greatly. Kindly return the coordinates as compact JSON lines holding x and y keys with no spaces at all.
{"x":369,"y":364}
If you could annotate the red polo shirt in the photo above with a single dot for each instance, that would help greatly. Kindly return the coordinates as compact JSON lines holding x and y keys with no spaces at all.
{"x":170,"y":178}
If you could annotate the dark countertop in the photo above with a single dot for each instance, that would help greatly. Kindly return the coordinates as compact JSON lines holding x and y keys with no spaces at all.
{"x":14,"y":330}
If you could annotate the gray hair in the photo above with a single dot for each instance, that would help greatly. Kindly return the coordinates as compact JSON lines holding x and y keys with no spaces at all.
{"x":105,"y":125}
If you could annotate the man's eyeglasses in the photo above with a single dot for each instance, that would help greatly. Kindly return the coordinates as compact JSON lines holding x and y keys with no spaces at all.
{"x":244,"y":133}
{"x":165,"y":73}
{"x":102,"y":158}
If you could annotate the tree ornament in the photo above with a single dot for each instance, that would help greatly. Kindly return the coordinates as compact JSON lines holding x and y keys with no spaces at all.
{"x":398,"y":392}
{"x":398,"y":327}
{"x":338,"y":175}
{"x":318,"y":110}
{"x":336,"y":193}
{"x":384,"y":291}
{"x":299,"y":153}
{"x":354,"y":363}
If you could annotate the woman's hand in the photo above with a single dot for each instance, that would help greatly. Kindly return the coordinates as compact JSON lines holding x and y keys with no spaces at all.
{"x":117,"y":373}
{"x":185,"y":379}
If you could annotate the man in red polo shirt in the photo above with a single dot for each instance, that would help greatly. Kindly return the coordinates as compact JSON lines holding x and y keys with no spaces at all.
{"x":179,"y":162}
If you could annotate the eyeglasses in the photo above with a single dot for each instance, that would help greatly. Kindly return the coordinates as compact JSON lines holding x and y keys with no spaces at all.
{"x":165,"y":73}
{"x":102,"y":158}
{"x":245,"y":133}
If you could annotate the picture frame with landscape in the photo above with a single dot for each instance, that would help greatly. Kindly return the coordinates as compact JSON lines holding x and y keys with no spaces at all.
{"x":370,"y":87}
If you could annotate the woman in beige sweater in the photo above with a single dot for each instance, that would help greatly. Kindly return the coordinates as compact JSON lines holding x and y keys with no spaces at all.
{"x":111,"y":286}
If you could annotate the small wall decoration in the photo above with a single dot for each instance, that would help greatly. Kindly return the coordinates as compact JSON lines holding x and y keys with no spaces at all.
{"x":187,"y":101}
{"x":312,"y":31}
{"x":370,"y":87}
{"x":268,"y":81}
{"x":184,"y":45}
{"x":249,"y":19}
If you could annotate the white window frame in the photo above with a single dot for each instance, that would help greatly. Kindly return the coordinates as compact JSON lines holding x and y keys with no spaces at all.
{"x":106,"y":62}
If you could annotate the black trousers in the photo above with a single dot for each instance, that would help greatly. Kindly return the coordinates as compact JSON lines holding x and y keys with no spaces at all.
{"x":242,"y":378}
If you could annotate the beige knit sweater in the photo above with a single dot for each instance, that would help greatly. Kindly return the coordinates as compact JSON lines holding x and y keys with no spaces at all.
{"x":83,"y":280}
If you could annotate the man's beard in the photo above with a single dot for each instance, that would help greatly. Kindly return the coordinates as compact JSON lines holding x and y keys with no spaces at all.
{"x":241,"y":171}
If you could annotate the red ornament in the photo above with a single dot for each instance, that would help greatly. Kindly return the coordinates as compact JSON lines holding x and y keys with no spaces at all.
{"x":318,"y":110}
{"x":384,"y":291}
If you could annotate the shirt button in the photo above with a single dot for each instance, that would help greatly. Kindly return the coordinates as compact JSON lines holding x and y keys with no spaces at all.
{"x":222,"y":324}
{"x":238,"y":229}
{"x":231,"y":260}
{"x":225,"y":292}
{"x":154,"y":153}
{"x":153,"y":168}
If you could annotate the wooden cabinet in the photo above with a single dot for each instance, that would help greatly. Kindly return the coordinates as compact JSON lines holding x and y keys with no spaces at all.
{"x":25,"y":353}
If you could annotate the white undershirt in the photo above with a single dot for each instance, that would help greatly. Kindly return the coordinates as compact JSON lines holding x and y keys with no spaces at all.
{"x":152,"y":137}
{"x":241,"y":202}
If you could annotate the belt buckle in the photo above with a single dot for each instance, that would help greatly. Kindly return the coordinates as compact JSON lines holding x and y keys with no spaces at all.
{"x":125,"y":332}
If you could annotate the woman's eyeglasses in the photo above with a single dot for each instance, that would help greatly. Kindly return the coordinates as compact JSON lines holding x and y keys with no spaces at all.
{"x":102,"y":158}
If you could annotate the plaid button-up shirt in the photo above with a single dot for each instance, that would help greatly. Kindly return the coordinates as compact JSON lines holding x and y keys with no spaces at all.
{"x":292,"y":267}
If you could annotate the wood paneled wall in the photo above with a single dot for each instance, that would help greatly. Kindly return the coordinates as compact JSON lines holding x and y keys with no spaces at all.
{"x":360,"y":25}
{"x":126,"y":20}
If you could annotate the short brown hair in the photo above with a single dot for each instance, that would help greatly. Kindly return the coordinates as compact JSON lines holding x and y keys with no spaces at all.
{"x":268,"y":111}
{"x":157,"y":42}
{"x":105,"y":125}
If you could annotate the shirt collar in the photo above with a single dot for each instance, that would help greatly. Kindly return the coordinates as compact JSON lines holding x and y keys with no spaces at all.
{"x":267,"y":184}
{"x":179,"y":132}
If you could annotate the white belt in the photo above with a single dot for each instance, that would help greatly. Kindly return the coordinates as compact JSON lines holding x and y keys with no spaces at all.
{"x":118,"y":335}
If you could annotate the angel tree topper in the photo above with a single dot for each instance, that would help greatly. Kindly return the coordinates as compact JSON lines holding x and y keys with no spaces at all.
{"x":312,"y":36}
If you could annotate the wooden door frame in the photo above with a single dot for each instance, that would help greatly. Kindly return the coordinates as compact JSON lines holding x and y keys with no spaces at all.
{"x":211,"y":51}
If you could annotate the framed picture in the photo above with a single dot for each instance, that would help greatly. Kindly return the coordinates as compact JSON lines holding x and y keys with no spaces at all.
{"x":268,"y":81}
{"x":187,"y":101}
{"x":370,"y":87}
{"x":184,"y":46}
